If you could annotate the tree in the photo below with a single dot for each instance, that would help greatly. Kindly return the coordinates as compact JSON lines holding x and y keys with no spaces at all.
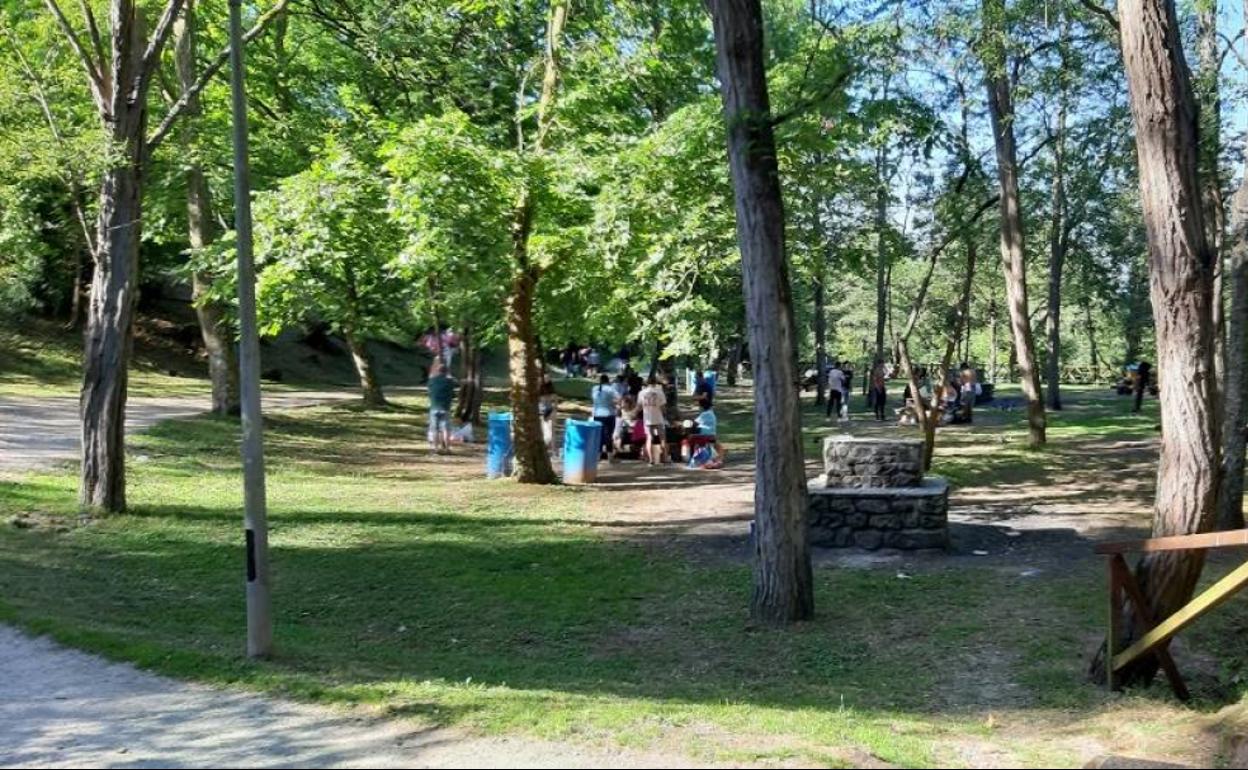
{"x":1181,"y":271}
{"x":1013,"y":250}
{"x":328,"y":248}
{"x":202,"y":228}
{"x":783,"y":582}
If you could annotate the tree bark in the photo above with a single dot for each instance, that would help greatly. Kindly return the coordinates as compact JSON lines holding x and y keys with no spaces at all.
{"x":1181,"y":267}
{"x":532,"y":462}
{"x":1013,"y":253}
{"x":783,"y":582}
{"x":1235,"y":392}
{"x":471,"y":394}
{"x":370,"y":387}
{"x":202,"y":230}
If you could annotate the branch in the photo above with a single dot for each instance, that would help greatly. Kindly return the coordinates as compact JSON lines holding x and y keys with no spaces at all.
{"x":1230,"y":48}
{"x":209,"y":72}
{"x":93,"y":30}
{"x":151,"y":56}
{"x":92,"y":67}
{"x":806,"y":104}
{"x":1103,"y":12}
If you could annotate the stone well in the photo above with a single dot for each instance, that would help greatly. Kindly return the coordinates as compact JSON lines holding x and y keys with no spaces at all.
{"x":873,"y":495}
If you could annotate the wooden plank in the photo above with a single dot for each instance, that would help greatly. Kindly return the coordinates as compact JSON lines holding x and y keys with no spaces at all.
{"x":1232,"y":539}
{"x":1115,"y":624}
{"x":1218,"y":593}
{"x":1145,"y":613}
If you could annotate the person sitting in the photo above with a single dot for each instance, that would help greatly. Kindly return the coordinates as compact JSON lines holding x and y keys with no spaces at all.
{"x":705,"y":432}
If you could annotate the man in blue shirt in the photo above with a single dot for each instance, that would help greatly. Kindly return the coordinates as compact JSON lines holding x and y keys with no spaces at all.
{"x":441,"y":394}
{"x":606,"y":405}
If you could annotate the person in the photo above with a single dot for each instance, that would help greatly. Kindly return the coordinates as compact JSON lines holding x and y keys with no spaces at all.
{"x":621,"y":385}
{"x":634,"y":382}
{"x":949,"y":400}
{"x":441,"y":394}
{"x":605,"y":403}
{"x":879,"y":395}
{"x":702,"y":388}
{"x":653,"y":402}
{"x":706,"y":426}
{"x":593,"y":360}
{"x":449,"y":342}
{"x":849,"y":388}
{"x":969,"y":389}
{"x":547,"y":404}
{"x":569,"y":360}
{"x":836,"y":389}
{"x":1142,"y":373}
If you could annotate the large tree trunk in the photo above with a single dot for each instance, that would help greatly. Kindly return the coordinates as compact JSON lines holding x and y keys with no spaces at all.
{"x":365,"y":368}
{"x":1182,"y":267}
{"x":532,"y":462}
{"x":783,"y":583}
{"x":1235,"y":392}
{"x":213,"y":325}
{"x":1013,"y":253}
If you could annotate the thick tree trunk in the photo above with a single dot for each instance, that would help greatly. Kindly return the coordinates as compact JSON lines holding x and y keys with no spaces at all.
{"x":1235,"y":393}
{"x":1013,"y":253}
{"x":1182,"y":267}
{"x":110,"y":335}
{"x":202,"y":230}
{"x":525,"y":363}
{"x":783,"y":583}
{"x":370,"y":387}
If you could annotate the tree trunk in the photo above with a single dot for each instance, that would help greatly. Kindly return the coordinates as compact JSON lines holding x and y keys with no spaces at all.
{"x":1182,"y":267}
{"x":783,"y":583}
{"x":821,"y":312}
{"x":881,"y":256}
{"x":532,"y":462}
{"x":109,"y":337}
{"x":370,"y":387}
{"x":1094,"y":356}
{"x":734,"y":364}
{"x":993,"y":347}
{"x":1013,"y":253}
{"x":471,"y":394}
{"x":202,"y":230}
{"x":1138,"y":310}
{"x":1209,"y":111}
{"x":1235,"y":393}
{"x":1057,"y":251}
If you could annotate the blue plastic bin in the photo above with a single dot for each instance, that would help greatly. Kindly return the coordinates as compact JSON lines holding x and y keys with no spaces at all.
{"x":582,"y":443}
{"x":498,"y":448}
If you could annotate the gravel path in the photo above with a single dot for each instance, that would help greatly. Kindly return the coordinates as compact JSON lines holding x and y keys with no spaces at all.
{"x":62,"y":708}
{"x":44,"y":432}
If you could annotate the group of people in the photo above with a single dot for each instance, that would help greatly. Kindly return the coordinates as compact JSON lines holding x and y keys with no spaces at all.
{"x":580,"y":360}
{"x":642,"y":418}
{"x":954,"y":396}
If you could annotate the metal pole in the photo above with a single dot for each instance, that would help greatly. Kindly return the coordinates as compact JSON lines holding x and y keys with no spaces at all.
{"x":255,"y":520}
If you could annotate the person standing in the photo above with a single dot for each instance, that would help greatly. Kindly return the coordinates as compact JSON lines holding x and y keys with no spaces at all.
{"x":836,"y":389}
{"x":879,"y":395}
{"x":702,"y":389}
{"x":547,"y":404}
{"x":653,"y":402}
{"x":441,"y":394}
{"x":1142,"y":374}
{"x":606,"y":402}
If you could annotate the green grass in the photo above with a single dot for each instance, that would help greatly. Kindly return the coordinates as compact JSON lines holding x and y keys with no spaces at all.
{"x":417,"y":588}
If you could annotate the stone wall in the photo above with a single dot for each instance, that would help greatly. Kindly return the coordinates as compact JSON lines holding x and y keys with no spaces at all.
{"x":909,"y":518}
{"x":872,"y":462}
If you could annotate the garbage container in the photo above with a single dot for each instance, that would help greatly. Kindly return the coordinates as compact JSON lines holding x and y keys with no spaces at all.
{"x":582,"y":443}
{"x":498,"y":448}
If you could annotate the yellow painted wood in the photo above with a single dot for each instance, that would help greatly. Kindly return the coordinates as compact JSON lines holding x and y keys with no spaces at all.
{"x":1218,"y":593}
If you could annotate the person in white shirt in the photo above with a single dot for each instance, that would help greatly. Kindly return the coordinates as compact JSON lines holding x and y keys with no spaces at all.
{"x":653,"y":401}
{"x":836,"y":389}
{"x":606,"y":402}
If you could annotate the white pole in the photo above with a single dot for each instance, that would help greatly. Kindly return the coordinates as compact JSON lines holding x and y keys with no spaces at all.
{"x":255,"y":520}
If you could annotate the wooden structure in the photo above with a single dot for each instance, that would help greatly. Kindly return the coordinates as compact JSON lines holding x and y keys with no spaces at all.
{"x":1159,"y":632}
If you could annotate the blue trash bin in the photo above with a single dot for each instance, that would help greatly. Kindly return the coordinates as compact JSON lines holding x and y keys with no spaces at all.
{"x":582,"y":443}
{"x":498,"y":449}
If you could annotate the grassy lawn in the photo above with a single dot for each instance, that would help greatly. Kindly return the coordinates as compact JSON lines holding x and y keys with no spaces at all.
{"x":407,"y":584}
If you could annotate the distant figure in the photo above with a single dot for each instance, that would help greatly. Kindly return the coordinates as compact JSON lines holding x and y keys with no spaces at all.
{"x":653,"y":402}
{"x":836,"y":389}
{"x":441,"y":394}
{"x":702,"y":389}
{"x":547,"y":404}
{"x":593,"y":361}
{"x":879,"y":394}
{"x":1142,"y":374}
{"x":621,"y":384}
{"x":606,"y":402}
{"x":848,"y":368}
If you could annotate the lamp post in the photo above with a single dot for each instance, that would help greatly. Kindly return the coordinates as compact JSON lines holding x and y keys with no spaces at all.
{"x":255,"y":518}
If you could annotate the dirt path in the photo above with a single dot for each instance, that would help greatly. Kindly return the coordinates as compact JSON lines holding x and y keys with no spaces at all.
{"x":37,"y":433}
{"x":62,"y":708}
